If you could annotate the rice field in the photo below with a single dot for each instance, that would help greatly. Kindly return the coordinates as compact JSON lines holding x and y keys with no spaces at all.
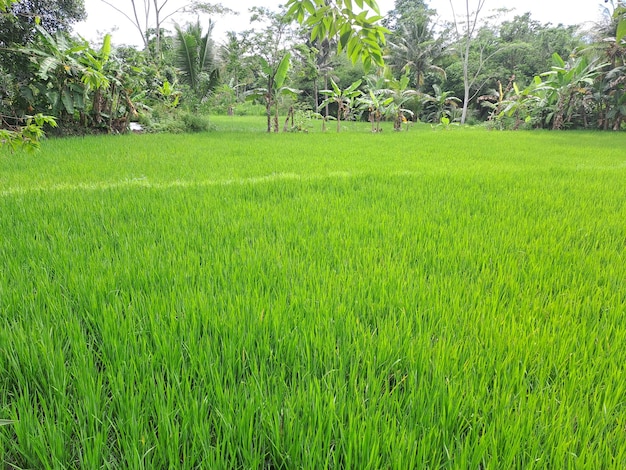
{"x":234,"y":300}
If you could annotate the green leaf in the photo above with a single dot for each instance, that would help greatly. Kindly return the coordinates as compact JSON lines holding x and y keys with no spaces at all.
{"x":309,"y":7}
{"x":293,"y":9}
{"x":344,"y":38}
{"x":105,"y":51}
{"x":68,"y":101}
{"x":281,"y":71}
{"x":265,"y":67}
{"x":353,"y":86}
{"x":315,"y":33}
{"x":621,"y":30}
{"x":373,"y":5}
{"x":558,"y":61}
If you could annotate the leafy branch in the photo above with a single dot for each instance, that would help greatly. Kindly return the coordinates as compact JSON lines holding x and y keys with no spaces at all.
{"x":359,"y":33}
{"x":26,"y":137}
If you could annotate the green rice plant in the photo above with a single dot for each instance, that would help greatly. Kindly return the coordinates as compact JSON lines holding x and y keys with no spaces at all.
{"x":239,"y":300}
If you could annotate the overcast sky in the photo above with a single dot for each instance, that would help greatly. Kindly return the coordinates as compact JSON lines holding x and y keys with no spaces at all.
{"x":103,"y":19}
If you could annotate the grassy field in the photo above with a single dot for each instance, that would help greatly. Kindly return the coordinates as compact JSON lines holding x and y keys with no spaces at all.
{"x":430,"y":299}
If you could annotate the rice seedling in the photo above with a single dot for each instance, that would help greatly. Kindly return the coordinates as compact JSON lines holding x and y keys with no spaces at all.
{"x":237,"y":300}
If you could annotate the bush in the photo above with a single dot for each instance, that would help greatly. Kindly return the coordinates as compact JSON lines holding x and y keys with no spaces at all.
{"x":175,"y":122}
{"x":196,"y":122}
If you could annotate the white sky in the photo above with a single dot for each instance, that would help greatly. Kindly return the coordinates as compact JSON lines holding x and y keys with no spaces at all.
{"x":103,"y":19}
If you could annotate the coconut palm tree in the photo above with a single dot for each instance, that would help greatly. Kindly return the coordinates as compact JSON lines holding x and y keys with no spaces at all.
{"x":195,"y":58}
{"x":414,"y":48}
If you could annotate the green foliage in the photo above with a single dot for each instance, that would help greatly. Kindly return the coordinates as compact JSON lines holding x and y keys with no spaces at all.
{"x":196,"y":122}
{"x":304,"y":119}
{"x":82,"y":87}
{"x":168,"y":120}
{"x":566,"y":86}
{"x":414,"y":46}
{"x":359,"y":34}
{"x":350,"y":301}
{"x":619,"y":15}
{"x":5,"y":4}
{"x":274,"y":75}
{"x":248,"y":108}
{"x":345,"y":99}
{"x":440,"y":105}
{"x":101,"y":89}
{"x":621,"y":30}
{"x":170,"y":94}
{"x":195,"y":58}
{"x":21,"y":16}
{"x":28,"y":136}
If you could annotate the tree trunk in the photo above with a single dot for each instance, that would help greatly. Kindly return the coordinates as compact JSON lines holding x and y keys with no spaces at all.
{"x":268,"y":111}
{"x":276,"y":118}
{"x":471,"y":21}
{"x":289,"y":116}
{"x":338,"y":117}
{"x":326,"y":88}
{"x":316,"y":96}
{"x":466,"y":83}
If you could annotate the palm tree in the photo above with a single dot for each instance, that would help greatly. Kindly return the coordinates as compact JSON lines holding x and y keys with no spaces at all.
{"x":195,"y":58}
{"x":232,"y":62}
{"x":413,"y":48}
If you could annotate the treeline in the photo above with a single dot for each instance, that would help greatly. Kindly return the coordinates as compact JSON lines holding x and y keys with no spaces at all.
{"x":515,"y":73}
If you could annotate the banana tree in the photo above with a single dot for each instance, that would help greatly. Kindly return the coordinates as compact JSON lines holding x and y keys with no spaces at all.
{"x":614,"y":83}
{"x":79,"y":84}
{"x":97,"y":78}
{"x":60,"y":71}
{"x":375,"y":103}
{"x":515,"y":106}
{"x":440,"y":104}
{"x":274,"y":78}
{"x":400,"y":94}
{"x":344,"y":99}
{"x":566,"y":87}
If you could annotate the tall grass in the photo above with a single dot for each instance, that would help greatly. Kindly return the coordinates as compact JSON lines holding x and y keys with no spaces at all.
{"x":237,"y":300}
